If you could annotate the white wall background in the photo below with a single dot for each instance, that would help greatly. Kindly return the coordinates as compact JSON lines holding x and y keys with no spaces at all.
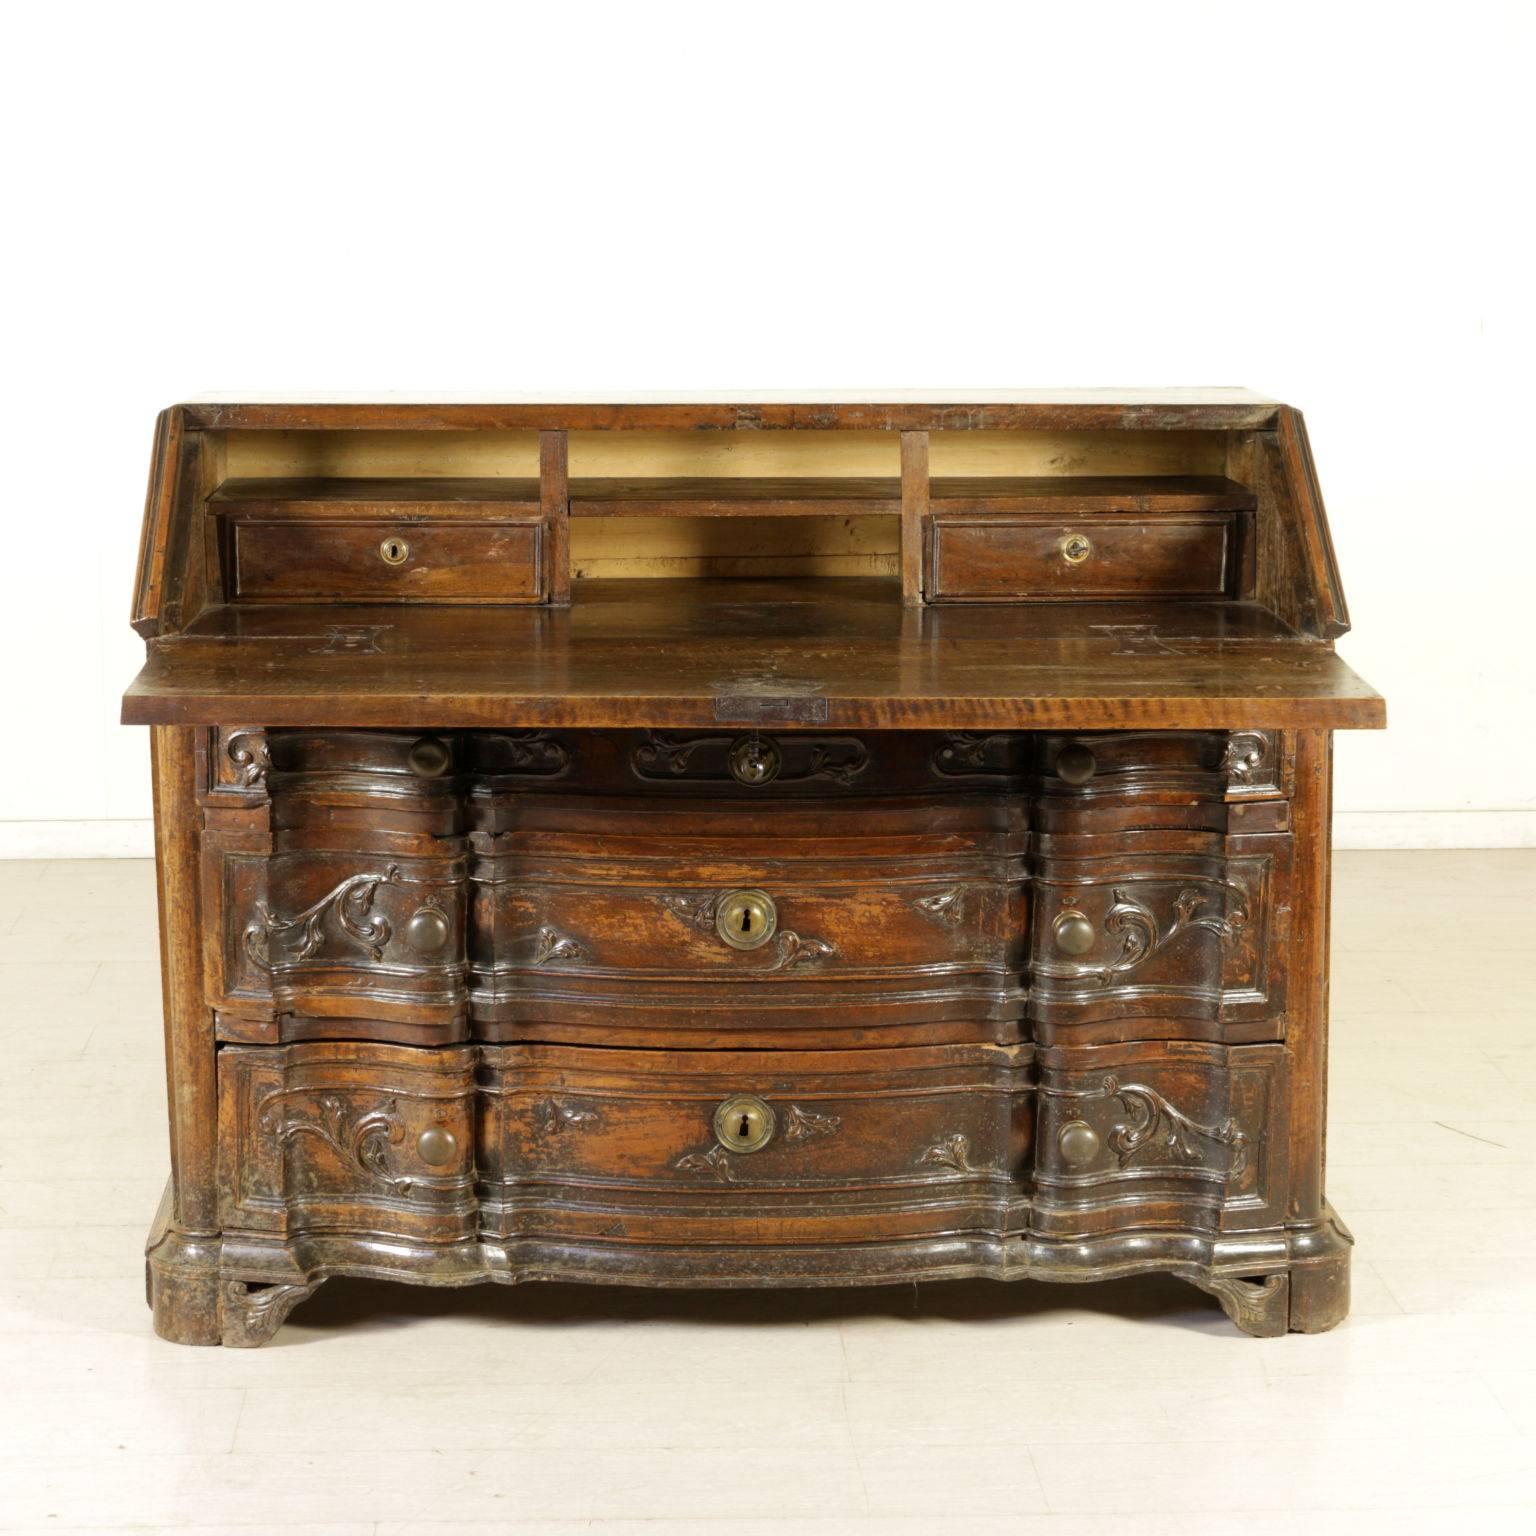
{"x":1327,"y":202}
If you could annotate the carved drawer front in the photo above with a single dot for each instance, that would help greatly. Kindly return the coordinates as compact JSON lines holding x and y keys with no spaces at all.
{"x":389,"y":789}
{"x":1159,"y":1134}
{"x":368,"y":939}
{"x":754,"y":1147}
{"x":696,"y":921}
{"x":1159,"y":911}
{"x":752,"y":765}
{"x":746,"y":765}
{"x":353,"y":925}
{"x":344,"y":1138}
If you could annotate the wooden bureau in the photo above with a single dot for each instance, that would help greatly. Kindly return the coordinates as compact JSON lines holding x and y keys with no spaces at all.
{"x":749,"y":842}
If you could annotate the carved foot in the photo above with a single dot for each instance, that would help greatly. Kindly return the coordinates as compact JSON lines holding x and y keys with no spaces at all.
{"x":250,"y":1312}
{"x":1320,"y":1276}
{"x":182,"y":1279}
{"x":1259,"y":1306}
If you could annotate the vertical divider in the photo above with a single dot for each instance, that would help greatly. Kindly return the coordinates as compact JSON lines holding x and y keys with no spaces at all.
{"x":555,"y":506}
{"x":914,"y":513}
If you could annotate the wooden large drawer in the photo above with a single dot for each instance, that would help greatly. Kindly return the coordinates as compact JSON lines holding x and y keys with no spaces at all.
{"x":980,"y":558}
{"x":431,"y":889}
{"x":622,"y":1146}
{"x":387,"y":561}
{"x":636,"y":1146}
{"x":601,"y":921}
{"x":615,"y":1147}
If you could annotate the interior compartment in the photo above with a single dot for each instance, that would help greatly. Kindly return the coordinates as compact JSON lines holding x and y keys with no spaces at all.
{"x":646,"y":504}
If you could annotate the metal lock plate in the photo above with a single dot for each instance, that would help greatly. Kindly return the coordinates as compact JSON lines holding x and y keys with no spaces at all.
{"x":744,"y":1123}
{"x":755,"y":761}
{"x":1075,"y":548}
{"x":746,"y":919}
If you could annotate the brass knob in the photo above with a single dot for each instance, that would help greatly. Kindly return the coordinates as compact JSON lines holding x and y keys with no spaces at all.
{"x":746,"y":919}
{"x":1076,"y":548}
{"x":755,"y":761}
{"x":427,"y":930}
{"x":1079,"y":1142}
{"x":436,"y":1146}
{"x":394,"y":550}
{"x":429,"y":757}
{"x":1075,"y":764}
{"x":744,"y":1123}
{"x":1074,"y":933}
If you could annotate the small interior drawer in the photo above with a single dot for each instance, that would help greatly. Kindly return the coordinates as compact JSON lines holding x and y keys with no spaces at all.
{"x":981,"y":558}
{"x":388,"y":561}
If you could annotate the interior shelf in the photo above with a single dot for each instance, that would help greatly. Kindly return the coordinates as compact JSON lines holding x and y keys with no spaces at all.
{"x":729,"y":496}
{"x":315,"y":498}
{"x":732,"y":496}
{"x":1077,"y":495}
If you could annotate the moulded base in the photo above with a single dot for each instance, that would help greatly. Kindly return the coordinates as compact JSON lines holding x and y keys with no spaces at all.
{"x":238,"y":1290}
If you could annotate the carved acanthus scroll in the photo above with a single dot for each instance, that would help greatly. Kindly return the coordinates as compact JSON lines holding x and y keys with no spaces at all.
{"x":363,"y":1141}
{"x":352,"y":903}
{"x":1152,"y":1121}
{"x":1145,"y":937}
{"x":952,"y":1152}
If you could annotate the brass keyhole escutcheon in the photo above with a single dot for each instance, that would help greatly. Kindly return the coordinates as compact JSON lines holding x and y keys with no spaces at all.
{"x":755,"y":761}
{"x":1076,"y":548}
{"x":394,"y":550}
{"x":744,"y":1123}
{"x":746,"y":919}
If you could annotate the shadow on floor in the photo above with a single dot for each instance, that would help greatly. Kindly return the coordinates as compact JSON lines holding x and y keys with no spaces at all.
{"x":349,"y":1303}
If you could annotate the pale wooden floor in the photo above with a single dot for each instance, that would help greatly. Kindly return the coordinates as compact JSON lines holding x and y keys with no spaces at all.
{"x":1133,"y":1408}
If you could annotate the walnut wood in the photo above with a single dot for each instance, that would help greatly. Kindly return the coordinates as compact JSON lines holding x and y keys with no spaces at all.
{"x":852,"y":496}
{"x":714,"y":496}
{"x":182,"y":1255}
{"x":330,"y":562}
{"x":188,"y":1022}
{"x":981,"y":557}
{"x":914,"y":513}
{"x":1084,"y":494}
{"x":688,"y":654}
{"x":698,"y":933}
{"x":555,"y":502}
{"x":155,"y":536}
{"x":438,"y":498}
{"x":1158,"y":410}
{"x":1311,"y":522}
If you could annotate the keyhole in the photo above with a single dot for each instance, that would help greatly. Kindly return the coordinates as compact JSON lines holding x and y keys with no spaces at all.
{"x":744,"y":1130}
{"x":745,"y":919}
{"x":394,"y":551}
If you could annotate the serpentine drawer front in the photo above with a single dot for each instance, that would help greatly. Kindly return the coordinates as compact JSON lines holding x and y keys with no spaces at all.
{"x":891,"y":860}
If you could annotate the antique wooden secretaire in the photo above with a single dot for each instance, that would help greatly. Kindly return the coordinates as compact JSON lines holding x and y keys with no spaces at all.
{"x":751,"y":842}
